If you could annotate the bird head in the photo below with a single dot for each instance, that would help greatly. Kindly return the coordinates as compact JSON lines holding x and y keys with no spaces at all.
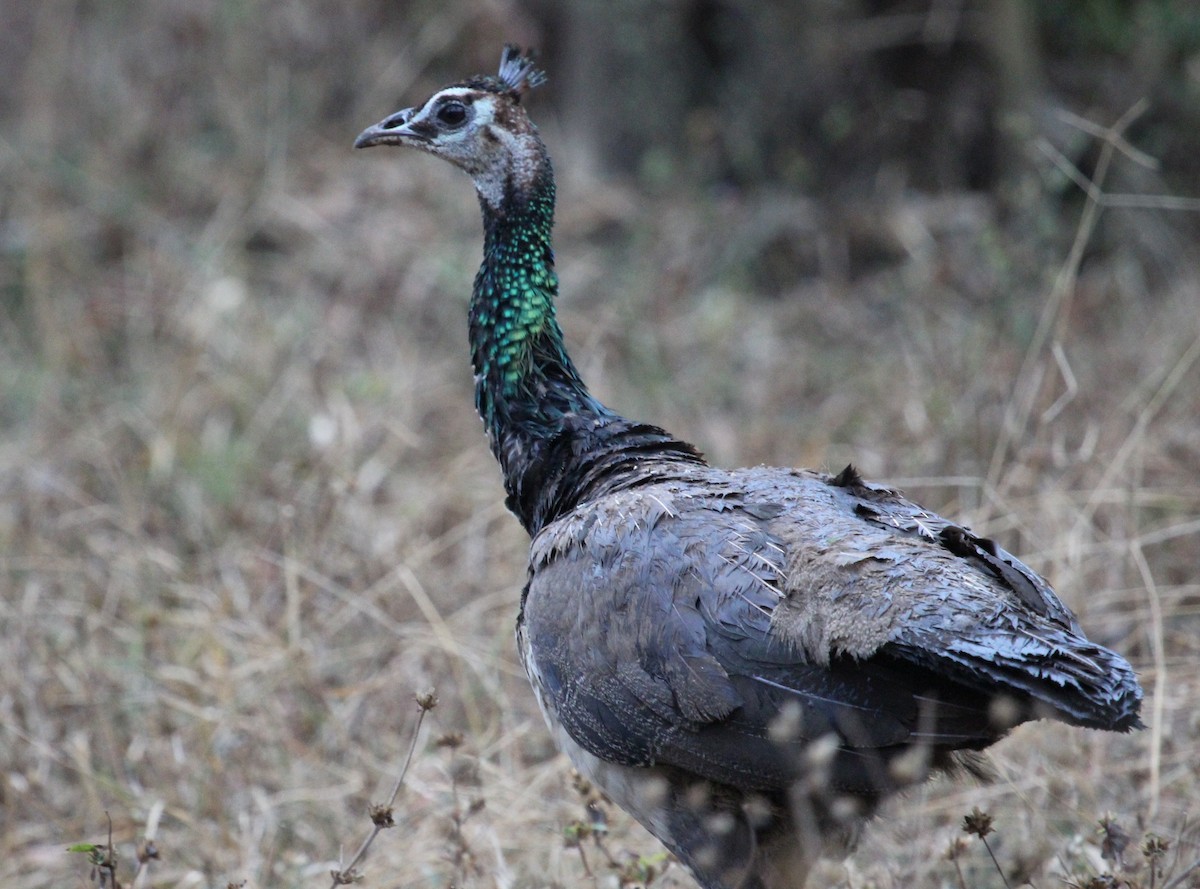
{"x":476,"y":124}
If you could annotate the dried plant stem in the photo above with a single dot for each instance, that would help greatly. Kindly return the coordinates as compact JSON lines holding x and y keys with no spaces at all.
{"x":457,"y":842}
{"x":999,"y":869}
{"x":106,"y":867}
{"x":962,"y":881}
{"x":381,"y":816}
{"x":586,"y":867}
{"x":148,"y":850}
{"x":1188,"y":871}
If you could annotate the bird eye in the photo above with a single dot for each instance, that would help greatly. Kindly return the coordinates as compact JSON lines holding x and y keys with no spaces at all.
{"x":452,"y":114}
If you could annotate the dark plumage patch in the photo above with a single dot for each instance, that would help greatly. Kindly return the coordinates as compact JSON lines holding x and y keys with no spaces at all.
{"x":848,"y":478}
{"x":958,"y":541}
{"x":966,"y":545}
{"x":865,"y":512}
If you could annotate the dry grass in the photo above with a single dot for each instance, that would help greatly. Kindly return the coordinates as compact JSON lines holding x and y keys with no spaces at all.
{"x":247,"y":511}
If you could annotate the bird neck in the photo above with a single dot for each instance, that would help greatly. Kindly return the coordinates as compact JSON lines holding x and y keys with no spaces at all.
{"x":525,"y":383}
{"x":554,"y":441}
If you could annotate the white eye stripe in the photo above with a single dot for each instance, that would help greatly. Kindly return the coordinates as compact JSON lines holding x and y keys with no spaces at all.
{"x":462,"y":94}
{"x":481,"y":106}
{"x":457,"y":92}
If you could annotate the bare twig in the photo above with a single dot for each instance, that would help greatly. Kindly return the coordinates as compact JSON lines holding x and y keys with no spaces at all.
{"x":1123,"y":201}
{"x":1029,"y":377}
{"x":1110,"y":133}
{"x":1172,"y":377}
{"x":1068,"y":376}
{"x":1031,"y":374}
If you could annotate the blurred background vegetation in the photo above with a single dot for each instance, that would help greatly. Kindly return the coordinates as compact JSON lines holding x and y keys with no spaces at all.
{"x":246,"y":510}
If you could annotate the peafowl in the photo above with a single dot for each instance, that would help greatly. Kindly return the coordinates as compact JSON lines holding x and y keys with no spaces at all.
{"x":748,"y":661}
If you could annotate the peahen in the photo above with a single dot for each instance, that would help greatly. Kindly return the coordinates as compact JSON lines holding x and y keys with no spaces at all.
{"x":746,"y":660}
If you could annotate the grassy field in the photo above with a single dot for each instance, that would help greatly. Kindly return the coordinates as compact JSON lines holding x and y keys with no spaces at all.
{"x":247,"y":511}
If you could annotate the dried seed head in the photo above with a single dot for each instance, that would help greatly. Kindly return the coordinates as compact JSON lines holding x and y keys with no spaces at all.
{"x":575,"y":833}
{"x":597,"y":818}
{"x":1155,"y":846}
{"x":957,"y":846}
{"x":846,"y":808}
{"x":427,"y":700}
{"x":787,"y":724}
{"x":1115,"y":839}
{"x":978,"y":822}
{"x":720,"y":824}
{"x":586,"y":790}
{"x":911,"y":766}
{"x":1005,"y":712}
{"x":382,"y":816}
{"x":758,"y":811}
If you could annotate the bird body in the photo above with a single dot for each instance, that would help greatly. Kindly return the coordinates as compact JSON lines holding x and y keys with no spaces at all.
{"x":747,"y":660}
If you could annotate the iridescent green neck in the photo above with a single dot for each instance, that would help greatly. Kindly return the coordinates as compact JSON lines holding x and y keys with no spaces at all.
{"x":556,"y":444}
{"x":525,"y":383}
{"x":523,"y":374}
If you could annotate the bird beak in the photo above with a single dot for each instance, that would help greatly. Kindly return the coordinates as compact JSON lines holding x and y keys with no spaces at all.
{"x":393,"y":130}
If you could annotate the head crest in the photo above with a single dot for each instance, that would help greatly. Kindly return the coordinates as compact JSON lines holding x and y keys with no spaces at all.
{"x":517,"y":70}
